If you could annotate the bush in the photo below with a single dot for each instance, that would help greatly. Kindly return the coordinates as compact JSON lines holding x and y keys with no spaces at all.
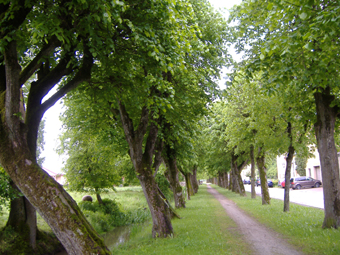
{"x":275,"y":182}
{"x":104,"y":217}
{"x":164,"y":186}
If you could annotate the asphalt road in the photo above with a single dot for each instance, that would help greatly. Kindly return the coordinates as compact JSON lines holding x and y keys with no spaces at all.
{"x":309,"y":197}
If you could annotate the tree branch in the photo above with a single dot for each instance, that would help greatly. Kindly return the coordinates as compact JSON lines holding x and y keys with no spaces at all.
{"x":36,"y":62}
{"x":143,"y":124}
{"x":12,"y":22}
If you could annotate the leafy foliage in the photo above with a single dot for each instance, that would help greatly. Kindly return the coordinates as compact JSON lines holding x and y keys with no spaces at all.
{"x":104,"y":217}
{"x":6,"y":191}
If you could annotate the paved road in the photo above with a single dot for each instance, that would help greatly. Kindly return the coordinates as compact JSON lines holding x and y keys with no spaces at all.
{"x":310,"y":197}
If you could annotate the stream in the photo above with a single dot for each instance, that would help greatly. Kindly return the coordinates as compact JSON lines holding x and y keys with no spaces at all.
{"x":113,"y":238}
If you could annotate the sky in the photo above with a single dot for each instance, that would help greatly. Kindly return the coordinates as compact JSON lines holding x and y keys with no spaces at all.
{"x":53,"y":125}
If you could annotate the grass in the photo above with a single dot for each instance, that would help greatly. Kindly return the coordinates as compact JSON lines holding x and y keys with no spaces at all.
{"x":301,"y":225}
{"x":203,"y":229}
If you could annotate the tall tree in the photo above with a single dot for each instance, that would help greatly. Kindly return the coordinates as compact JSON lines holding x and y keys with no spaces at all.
{"x":54,"y":41}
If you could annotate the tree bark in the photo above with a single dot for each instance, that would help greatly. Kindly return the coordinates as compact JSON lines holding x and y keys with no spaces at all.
{"x":252,"y":172}
{"x":260,"y":160}
{"x":142,"y":161}
{"x":324,"y":131}
{"x":289,"y":160}
{"x":225,"y":177}
{"x":194,"y":180}
{"x":190,"y":191}
{"x":172,"y":175}
{"x":99,"y":198}
{"x":52,"y":202}
{"x":238,"y":185}
{"x":23,"y":219}
{"x":160,"y":213}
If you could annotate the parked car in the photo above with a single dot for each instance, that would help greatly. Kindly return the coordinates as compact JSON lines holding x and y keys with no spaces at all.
{"x":304,"y":182}
{"x":247,"y":180}
{"x":280,"y":181}
{"x":269,"y":181}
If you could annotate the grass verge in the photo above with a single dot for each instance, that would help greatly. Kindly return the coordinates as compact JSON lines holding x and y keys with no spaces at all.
{"x":204,"y":229}
{"x":301,"y":225}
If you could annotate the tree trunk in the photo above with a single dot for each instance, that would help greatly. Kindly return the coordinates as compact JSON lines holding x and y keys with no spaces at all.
{"x":230,"y":185}
{"x":194,"y":180}
{"x":23,"y":219}
{"x":142,"y":161}
{"x":260,"y":160}
{"x":172,"y":174}
{"x":252,"y":172}
{"x":52,"y":202}
{"x":190,"y":190}
{"x":289,"y":160}
{"x":225,"y":176}
{"x":160,"y":213}
{"x":99,"y":198}
{"x":238,"y":185}
{"x":324,"y":131}
{"x":220,"y":179}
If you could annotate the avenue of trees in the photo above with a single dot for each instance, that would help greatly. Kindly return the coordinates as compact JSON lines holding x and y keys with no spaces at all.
{"x":291,"y":51}
{"x":147,"y":69}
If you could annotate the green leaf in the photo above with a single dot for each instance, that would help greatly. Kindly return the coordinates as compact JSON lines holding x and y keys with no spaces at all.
{"x":303,"y":16}
{"x":270,"y":6}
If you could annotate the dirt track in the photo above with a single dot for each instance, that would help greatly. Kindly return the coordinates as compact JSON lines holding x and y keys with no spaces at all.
{"x":263,"y":241}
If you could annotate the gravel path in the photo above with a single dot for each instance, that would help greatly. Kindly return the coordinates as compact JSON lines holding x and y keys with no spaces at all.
{"x":263,"y":241}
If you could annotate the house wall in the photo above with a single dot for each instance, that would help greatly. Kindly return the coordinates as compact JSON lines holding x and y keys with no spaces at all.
{"x":313,"y":167}
{"x":281,"y":167}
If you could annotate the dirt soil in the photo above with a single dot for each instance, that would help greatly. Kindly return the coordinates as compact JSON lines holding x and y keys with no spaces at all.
{"x":261,"y":239}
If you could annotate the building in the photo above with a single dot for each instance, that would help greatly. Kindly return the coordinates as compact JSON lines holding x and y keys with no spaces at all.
{"x":313,"y":167}
{"x":59,"y":177}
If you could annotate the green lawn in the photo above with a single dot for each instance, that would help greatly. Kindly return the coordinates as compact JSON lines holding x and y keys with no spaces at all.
{"x":302,"y":225}
{"x":203,"y":229}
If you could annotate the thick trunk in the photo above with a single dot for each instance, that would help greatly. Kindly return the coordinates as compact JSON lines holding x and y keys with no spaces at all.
{"x":52,"y":202}
{"x":23,"y":219}
{"x":238,"y":185}
{"x":289,"y":160}
{"x":324,"y":131}
{"x":159,"y":211}
{"x":194,"y":180}
{"x":252,"y":172}
{"x":260,"y":160}
{"x":142,"y":160}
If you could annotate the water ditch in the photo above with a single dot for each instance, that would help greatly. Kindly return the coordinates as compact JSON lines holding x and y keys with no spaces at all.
{"x":115,"y":237}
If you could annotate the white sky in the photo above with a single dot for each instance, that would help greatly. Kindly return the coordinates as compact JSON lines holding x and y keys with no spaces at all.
{"x":53,"y":125}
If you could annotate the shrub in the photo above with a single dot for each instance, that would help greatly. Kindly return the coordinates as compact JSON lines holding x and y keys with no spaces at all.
{"x":164,"y":186}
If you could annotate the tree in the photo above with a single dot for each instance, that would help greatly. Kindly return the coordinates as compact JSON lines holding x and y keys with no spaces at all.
{"x":162,"y":69}
{"x":91,"y":168}
{"x":296,"y":44}
{"x":301,"y":163}
{"x":53,"y":40}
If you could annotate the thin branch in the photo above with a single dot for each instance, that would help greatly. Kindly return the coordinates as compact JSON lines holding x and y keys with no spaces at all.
{"x":36,"y":62}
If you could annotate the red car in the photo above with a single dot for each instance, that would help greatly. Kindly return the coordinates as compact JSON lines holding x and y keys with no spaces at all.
{"x":282,"y":183}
